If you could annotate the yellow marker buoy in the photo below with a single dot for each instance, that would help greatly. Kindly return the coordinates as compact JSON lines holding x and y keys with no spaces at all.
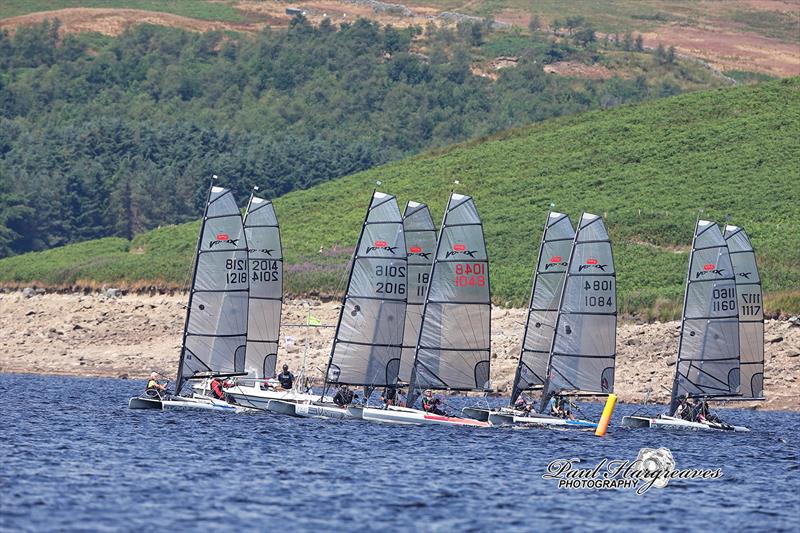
{"x":608,"y":410}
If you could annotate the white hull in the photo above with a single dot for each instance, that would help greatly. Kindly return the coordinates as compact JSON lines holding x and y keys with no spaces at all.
{"x":509,"y":417}
{"x":253,"y":396}
{"x":406,"y":416}
{"x":311,"y":410}
{"x":668,"y":422}
{"x":179,"y":402}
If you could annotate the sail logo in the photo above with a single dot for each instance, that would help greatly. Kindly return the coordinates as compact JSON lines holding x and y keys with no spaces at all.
{"x":555,"y":261}
{"x":416,"y":250}
{"x":745,"y":275}
{"x":381,"y":245}
{"x":223,"y":238}
{"x":709,"y":268}
{"x":266,"y":251}
{"x":592,"y":263}
{"x":460,"y":249}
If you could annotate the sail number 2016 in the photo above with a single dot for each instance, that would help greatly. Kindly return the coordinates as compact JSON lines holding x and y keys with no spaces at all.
{"x":237,"y":271}
{"x":597,"y":301}
{"x":390,"y":287}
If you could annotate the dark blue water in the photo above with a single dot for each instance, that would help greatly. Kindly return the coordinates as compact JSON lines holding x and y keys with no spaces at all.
{"x":74,"y":457}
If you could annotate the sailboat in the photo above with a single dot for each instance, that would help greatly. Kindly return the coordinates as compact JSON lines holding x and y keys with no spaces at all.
{"x":452,"y":351}
{"x":367,"y":345}
{"x":548,"y":280}
{"x":583,"y":350}
{"x":708,"y":352}
{"x":265,"y":262}
{"x":214,"y":333}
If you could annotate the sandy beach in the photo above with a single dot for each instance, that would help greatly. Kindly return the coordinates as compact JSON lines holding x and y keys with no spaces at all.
{"x":129,"y":336}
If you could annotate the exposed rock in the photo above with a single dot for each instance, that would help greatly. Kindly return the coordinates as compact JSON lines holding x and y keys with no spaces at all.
{"x":28,"y":292}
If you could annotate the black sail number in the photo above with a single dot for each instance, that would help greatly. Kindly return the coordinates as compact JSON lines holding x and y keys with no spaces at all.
{"x":723,"y":299}
{"x":265,"y":270}
{"x":236,"y":271}
{"x":391,"y":287}
{"x":601,"y":300}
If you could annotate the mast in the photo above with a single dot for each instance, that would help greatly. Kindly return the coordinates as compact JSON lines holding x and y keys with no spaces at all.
{"x":216,"y":318}
{"x":751,"y":312}
{"x":453,"y":350}
{"x":708,"y":352}
{"x":583,"y":349}
{"x":546,"y":287}
{"x":420,"y":235}
{"x":265,"y":261}
{"x":369,"y":333}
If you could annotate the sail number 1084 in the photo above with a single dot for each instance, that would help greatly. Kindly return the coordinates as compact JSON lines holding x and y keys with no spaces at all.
{"x":598,"y":301}
{"x":470,"y":275}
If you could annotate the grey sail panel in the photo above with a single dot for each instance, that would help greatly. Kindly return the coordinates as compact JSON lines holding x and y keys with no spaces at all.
{"x":708,"y":352}
{"x":751,"y":312}
{"x":266,"y":287}
{"x":453,"y":349}
{"x":548,"y":281}
{"x":583,"y":350}
{"x":369,"y":335}
{"x":216,"y":323}
{"x":420,"y":234}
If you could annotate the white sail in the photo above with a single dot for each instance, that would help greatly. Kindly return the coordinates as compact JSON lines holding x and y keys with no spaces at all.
{"x":420,"y":234}
{"x":751,"y":312}
{"x":216,"y":323}
{"x":369,"y":334}
{"x":548,"y":282}
{"x":708,"y":353}
{"x":453,"y":349}
{"x":266,"y":287}
{"x":583,"y":352}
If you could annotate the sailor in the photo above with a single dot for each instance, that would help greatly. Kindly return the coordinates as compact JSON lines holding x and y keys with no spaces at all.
{"x":523,"y":405}
{"x":431,"y":404}
{"x":551,"y":408}
{"x":154,"y":388}
{"x":389,"y":396}
{"x":685,"y":409}
{"x":216,"y":389}
{"x":564,"y":408}
{"x":286,"y":378}
{"x":343,"y":397}
{"x":705,"y":414}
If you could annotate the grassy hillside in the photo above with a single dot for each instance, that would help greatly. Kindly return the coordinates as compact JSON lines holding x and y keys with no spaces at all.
{"x":647,"y":168}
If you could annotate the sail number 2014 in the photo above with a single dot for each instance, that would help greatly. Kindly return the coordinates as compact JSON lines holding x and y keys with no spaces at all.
{"x":263,"y":270}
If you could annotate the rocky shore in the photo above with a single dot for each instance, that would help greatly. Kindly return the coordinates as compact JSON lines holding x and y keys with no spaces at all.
{"x":129,"y":336}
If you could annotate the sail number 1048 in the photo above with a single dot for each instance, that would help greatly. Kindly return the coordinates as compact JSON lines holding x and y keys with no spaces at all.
{"x":470,"y":275}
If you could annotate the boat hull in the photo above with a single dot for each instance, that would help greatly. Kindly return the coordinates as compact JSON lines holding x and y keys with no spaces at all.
{"x":180,"y":403}
{"x":260,"y":399}
{"x":406,"y":416}
{"x":509,"y":417}
{"x":311,"y":410}
{"x":668,"y":422}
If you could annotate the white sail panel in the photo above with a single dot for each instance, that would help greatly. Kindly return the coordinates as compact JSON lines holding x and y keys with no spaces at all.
{"x":453,"y":349}
{"x":216,"y":322}
{"x":751,"y":312}
{"x":266,"y":287}
{"x":584,"y":343}
{"x":548,"y":281}
{"x":420,"y":234}
{"x":369,"y":335}
{"x":708,"y":353}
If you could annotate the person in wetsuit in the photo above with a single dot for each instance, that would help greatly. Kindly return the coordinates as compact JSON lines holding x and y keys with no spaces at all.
{"x":431,"y":404}
{"x":389,"y":396}
{"x":344,"y":396}
{"x":286,"y":378}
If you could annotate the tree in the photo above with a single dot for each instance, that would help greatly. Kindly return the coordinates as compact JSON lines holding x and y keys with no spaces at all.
{"x":535,"y":24}
{"x":670,"y":55}
{"x":574,"y":23}
{"x":627,"y":43}
{"x":661,"y":54}
{"x":639,"y":43}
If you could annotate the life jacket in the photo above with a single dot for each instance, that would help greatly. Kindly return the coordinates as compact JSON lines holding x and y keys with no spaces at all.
{"x":151,"y":384}
{"x":216,"y":388}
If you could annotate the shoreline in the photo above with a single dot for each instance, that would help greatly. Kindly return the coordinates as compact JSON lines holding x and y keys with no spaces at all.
{"x":128,"y":336}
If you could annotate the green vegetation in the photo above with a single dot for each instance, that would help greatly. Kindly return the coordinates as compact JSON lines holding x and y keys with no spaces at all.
{"x":199,"y":9}
{"x":104,"y":137}
{"x":745,"y":76}
{"x":646,"y":168}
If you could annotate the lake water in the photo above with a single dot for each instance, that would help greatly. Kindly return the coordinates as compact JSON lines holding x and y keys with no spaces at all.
{"x":74,"y":457}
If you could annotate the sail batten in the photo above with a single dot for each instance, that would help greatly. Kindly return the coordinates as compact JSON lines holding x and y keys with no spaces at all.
{"x":420,"y":236}
{"x":215,"y":330}
{"x":368,"y":341}
{"x":453,"y":348}
{"x":546,"y":287}
{"x":265,"y":255}
{"x":582,"y":353}
{"x":751,"y":312}
{"x":708,"y":350}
